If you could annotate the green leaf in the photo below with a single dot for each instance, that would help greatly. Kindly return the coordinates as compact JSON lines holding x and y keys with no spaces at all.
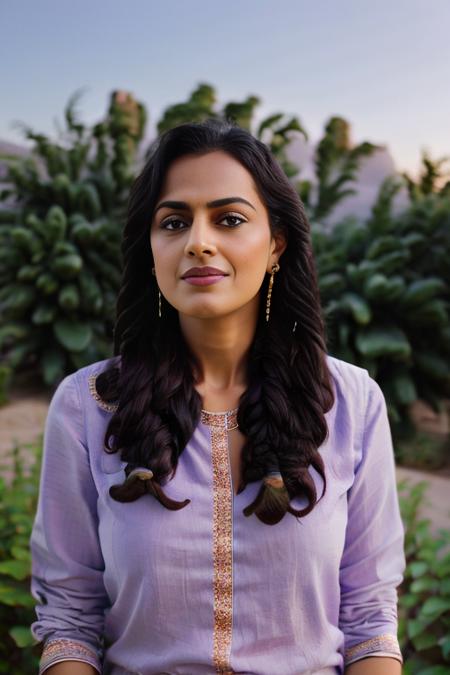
{"x":405,"y":389}
{"x":72,"y":335}
{"x":20,"y":553}
{"x":444,"y":643}
{"x":416,"y":626}
{"x":12,"y":332}
{"x":52,"y":365}
{"x":18,"y":569}
{"x":418,"y":568}
{"x":408,"y":600}
{"x":435,"y":606}
{"x":425,"y":641}
{"x":15,"y":597}
{"x":388,"y":341}
{"x":22,"y":636}
{"x":424,"y":584}
{"x":357,"y":306}
{"x":422,"y":290}
{"x":382,"y":245}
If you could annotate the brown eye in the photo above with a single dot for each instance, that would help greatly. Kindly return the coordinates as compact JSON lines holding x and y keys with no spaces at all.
{"x":165,"y":223}
{"x":233,"y":216}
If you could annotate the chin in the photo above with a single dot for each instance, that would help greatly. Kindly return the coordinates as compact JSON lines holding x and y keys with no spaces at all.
{"x":203,"y":310}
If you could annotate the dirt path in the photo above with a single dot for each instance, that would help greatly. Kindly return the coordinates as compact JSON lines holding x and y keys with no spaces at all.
{"x":21,"y":421}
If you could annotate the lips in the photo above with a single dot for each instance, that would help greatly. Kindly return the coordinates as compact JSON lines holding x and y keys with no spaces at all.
{"x":203,"y":272}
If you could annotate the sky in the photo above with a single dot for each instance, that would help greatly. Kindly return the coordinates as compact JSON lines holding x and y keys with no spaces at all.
{"x":384,"y":66}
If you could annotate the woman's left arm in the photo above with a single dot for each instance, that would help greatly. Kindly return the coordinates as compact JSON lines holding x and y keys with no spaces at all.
{"x":373,"y":559}
{"x":374,"y":666}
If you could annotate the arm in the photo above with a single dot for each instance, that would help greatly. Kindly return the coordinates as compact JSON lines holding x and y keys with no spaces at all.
{"x":373,"y":666}
{"x":67,"y":563}
{"x":373,"y":560}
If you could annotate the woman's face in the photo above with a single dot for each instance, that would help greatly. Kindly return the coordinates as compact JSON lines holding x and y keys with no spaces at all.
{"x":233,"y":237}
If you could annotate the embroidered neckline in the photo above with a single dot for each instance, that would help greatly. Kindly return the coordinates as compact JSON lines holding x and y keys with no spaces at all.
{"x":226,"y":419}
{"x":109,"y":407}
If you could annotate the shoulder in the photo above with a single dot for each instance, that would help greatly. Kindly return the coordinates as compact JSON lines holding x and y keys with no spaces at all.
{"x":85,"y":379}
{"x":349,"y":379}
{"x":354,"y":382}
{"x":358,"y":397}
{"x":353,"y":387}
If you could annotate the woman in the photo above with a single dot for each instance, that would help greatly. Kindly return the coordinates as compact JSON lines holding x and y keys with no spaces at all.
{"x":220,"y":496}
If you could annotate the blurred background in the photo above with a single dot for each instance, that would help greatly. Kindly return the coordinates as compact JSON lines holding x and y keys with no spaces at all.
{"x":353,"y":98}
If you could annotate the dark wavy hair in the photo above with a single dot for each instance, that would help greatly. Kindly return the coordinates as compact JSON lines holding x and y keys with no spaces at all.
{"x":151,"y":375}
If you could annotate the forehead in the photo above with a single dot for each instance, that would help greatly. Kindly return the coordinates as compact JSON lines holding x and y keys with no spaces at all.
{"x":215,"y":174}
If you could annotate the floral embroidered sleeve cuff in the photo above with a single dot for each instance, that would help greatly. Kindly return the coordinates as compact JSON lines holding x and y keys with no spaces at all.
{"x":382,"y":645}
{"x":63,"y":649}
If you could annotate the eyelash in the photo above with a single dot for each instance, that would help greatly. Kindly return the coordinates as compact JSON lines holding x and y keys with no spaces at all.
{"x":177,"y":220}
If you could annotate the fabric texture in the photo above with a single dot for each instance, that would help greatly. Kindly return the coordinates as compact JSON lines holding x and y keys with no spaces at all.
{"x":135,"y":588}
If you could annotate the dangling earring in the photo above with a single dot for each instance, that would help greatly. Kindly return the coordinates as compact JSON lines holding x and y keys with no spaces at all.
{"x":159,"y":296}
{"x":275,"y":268}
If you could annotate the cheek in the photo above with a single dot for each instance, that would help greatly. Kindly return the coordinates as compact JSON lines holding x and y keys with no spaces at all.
{"x":164,"y":256}
{"x":251,"y":256}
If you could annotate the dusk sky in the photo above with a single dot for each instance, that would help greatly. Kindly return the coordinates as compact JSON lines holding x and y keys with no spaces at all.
{"x":384,"y":66}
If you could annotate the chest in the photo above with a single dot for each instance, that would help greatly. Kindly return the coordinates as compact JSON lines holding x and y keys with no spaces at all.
{"x":210,"y":535}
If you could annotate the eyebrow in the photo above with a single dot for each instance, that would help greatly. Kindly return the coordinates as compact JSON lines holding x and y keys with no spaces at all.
{"x":211,"y":205}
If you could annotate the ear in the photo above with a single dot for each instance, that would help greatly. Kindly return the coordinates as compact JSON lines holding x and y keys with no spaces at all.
{"x":278,"y":245}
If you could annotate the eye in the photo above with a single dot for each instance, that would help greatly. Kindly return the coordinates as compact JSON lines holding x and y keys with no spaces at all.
{"x":235,"y":216}
{"x":166,"y":223}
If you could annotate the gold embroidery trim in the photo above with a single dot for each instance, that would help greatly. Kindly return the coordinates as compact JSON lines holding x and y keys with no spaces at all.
{"x":65,"y":648}
{"x":109,"y":407}
{"x":386,"y":642}
{"x":220,"y":423}
{"x":217,"y":419}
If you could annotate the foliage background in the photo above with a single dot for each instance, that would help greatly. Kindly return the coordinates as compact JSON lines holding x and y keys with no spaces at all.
{"x":384,"y":286}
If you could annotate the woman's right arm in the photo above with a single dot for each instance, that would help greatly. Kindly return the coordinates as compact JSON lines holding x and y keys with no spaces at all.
{"x":67,"y":562}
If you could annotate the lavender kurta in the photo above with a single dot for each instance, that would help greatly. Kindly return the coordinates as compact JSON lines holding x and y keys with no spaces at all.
{"x":135,"y":588}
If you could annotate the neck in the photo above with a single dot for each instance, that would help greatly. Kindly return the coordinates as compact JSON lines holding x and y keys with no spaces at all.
{"x":221,"y":346}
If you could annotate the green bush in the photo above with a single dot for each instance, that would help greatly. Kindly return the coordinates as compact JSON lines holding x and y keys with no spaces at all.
{"x":424,"y":595}
{"x":60,"y":264}
{"x":19,"y":653}
{"x":386,"y":298}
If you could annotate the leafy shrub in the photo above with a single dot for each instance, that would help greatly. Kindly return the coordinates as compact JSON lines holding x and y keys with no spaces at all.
{"x":60,"y":264}
{"x":18,"y":501}
{"x":385,"y":292}
{"x":424,"y":595}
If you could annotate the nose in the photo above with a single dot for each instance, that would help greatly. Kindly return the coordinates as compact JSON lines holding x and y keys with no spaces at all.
{"x":199,"y":240}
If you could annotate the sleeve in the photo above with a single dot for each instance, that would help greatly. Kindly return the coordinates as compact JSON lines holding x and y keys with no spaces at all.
{"x":67,"y":563}
{"x":373,"y":559}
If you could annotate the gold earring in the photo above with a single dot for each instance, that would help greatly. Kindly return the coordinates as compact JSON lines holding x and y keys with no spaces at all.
{"x":275,"y":268}
{"x":159,"y":296}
